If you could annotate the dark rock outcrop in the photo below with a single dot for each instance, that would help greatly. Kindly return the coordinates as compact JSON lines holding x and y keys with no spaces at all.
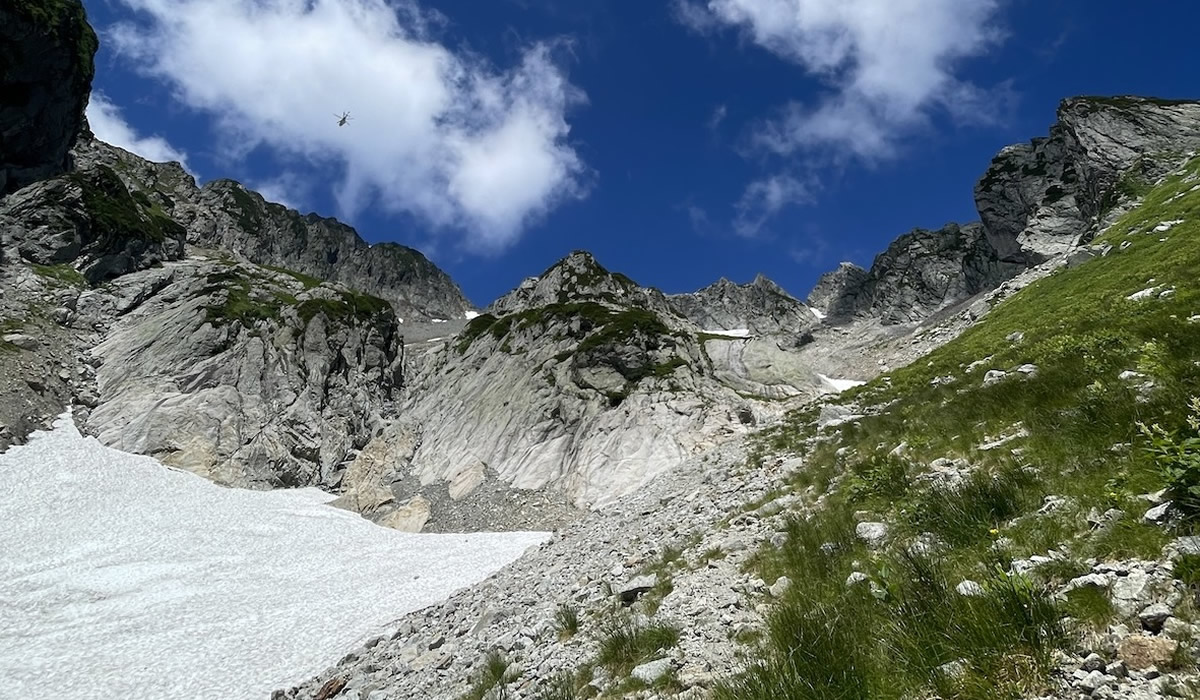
{"x":919,"y":273}
{"x":836,"y":292}
{"x":1041,"y":198}
{"x":271,"y":234}
{"x":46,"y":50}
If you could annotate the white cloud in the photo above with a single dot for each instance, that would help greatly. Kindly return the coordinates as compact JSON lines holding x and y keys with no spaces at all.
{"x":765,"y":198}
{"x":109,"y":126}
{"x":444,"y":136}
{"x":888,"y":64}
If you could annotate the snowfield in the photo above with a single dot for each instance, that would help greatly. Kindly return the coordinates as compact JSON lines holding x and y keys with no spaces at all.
{"x":840,"y":385}
{"x":120,"y":577}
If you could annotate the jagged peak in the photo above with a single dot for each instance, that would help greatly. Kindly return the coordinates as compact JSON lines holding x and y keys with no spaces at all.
{"x":576,"y":277}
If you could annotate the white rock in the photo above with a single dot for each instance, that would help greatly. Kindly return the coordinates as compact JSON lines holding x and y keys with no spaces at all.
{"x":652,"y":671}
{"x":874,"y":534}
{"x":969,"y":588}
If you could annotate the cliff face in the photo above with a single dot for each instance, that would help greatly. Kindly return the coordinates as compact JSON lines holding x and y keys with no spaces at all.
{"x":225,"y":215}
{"x":920,"y":273}
{"x":45,"y":79}
{"x":1039,"y":199}
{"x":1035,"y":201}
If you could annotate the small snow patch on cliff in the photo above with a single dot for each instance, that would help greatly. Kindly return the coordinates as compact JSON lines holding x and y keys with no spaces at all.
{"x":840,"y":384}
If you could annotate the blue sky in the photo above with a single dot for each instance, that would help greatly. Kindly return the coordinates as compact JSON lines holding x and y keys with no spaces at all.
{"x":680,"y":141}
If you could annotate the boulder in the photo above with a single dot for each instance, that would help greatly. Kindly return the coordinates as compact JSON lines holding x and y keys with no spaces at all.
{"x":1139,"y":653}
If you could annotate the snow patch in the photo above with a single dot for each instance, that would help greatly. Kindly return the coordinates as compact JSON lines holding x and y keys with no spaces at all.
{"x":840,"y":384}
{"x":470,"y":315}
{"x":821,"y":316}
{"x":731,"y":333}
{"x":120,"y":577}
{"x":438,"y":320}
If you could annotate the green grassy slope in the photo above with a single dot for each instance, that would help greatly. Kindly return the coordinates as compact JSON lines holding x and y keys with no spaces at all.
{"x":1109,"y":356}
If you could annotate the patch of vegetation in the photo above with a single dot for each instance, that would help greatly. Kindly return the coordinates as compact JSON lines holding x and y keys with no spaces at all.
{"x":564,"y":686}
{"x":115,"y":214}
{"x":474,"y":328}
{"x":493,"y":676}
{"x":63,"y":273}
{"x":1127,"y":538}
{"x":969,"y":514}
{"x":307,"y":280}
{"x":625,"y":643}
{"x":1187,"y":569}
{"x":349,"y":305}
{"x":243,"y":304}
{"x":566,"y":617}
{"x":625,"y":326}
{"x":1177,"y":458}
{"x":1090,"y":605}
{"x":895,"y":638}
{"x":878,"y":478}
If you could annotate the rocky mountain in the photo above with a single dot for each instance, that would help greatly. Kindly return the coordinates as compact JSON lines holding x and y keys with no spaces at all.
{"x":761,"y":307}
{"x":929,"y":477}
{"x":988,"y":521}
{"x":1036,"y":201}
{"x":224,"y":215}
{"x":576,"y":388}
{"x":920,"y":273}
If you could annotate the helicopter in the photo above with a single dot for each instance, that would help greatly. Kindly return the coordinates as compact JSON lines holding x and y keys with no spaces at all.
{"x":343,"y":118}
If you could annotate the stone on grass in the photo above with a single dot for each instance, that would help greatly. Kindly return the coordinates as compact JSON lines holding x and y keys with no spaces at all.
{"x":1158,"y":514}
{"x":873,"y":534}
{"x":969,"y":588}
{"x":651,"y":671}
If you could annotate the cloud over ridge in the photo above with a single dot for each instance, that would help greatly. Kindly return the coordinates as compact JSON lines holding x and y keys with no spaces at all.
{"x":441,"y":135}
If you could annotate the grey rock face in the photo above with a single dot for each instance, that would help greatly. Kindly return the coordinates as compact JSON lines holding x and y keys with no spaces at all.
{"x":1041,"y":198}
{"x":224,"y":215}
{"x":762,"y":307}
{"x":89,"y":220}
{"x":241,"y":374}
{"x":836,"y":293}
{"x":919,"y":273}
{"x":45,"y":78}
